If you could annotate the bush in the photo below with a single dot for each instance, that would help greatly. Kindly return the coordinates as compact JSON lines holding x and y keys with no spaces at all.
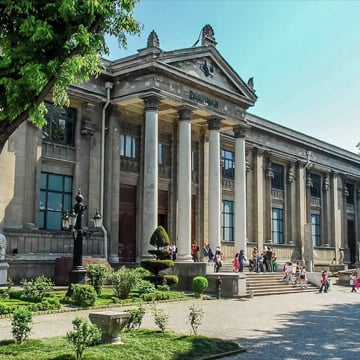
{"x":84,"y":335}
{"x":199,"y":284}
{"x":21,"y":324}
{"x":97,"y":273}
{"x":156,"y":296}
{"x":135,"y":320}
{"x":145,"y":287}
{"x":4,"y":309}
{"x":83,"y":295}
{"x":123,"y":281}
{"x":161,"y":318}
{"x":171,"y":279}
{"x":195,"y":317}
{"x":36,"y":290}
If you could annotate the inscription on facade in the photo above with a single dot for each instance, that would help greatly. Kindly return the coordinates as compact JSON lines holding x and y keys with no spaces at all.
{"x":201,"y":99}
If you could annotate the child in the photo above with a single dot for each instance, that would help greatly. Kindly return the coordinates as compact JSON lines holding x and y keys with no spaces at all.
{"x":236,"y":263}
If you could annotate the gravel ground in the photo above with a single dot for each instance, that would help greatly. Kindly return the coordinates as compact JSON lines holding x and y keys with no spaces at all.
{"x":306,"y":325}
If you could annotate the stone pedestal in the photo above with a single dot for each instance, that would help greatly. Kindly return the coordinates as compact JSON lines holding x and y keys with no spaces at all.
{"x":3,"y":272}
{"x":110,"y":323}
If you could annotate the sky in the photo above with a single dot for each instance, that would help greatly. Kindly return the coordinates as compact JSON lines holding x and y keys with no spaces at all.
{"x":304,"y":55}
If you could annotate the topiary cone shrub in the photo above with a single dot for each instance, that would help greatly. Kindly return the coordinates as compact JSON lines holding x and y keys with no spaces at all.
{"x":199,"y":284}
{"x":160,"y":240}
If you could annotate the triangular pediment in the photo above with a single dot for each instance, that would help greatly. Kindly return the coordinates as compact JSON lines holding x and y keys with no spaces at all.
{"x":205,"y":65}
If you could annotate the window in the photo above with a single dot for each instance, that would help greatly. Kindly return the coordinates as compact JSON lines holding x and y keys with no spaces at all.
{"x":129,"y":141}
{"x":277,"y":181}
{"x":228,"y":221}
{"x":55,"y":199}
{"x":277,"y":228}
{"x":164,"y":150}
{"x":315,"y":190}
{"x":60,"y":126}
{"x":228,"y":164}
{"x":315,"y":229}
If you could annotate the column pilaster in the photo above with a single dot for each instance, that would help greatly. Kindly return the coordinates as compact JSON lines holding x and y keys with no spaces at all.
{"x":150,"y":191}
{"x":214,"y":221}
{"x":240,"y":187}
{"x":184,"y":186}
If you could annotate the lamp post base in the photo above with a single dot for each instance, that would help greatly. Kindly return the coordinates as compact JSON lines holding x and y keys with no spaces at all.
{"x":77,"y":276}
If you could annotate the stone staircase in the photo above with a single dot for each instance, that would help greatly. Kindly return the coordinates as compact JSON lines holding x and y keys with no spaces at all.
{"x":259,"y":284}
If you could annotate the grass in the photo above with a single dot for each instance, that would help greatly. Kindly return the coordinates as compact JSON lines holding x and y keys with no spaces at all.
{"x":138,"y":345}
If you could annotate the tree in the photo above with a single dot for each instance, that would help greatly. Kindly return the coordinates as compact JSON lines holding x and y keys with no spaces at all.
{"x":160,"y":240}
{"x":45,"y":46}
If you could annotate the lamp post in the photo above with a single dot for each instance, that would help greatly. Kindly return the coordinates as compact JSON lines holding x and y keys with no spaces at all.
{"x":73,"y":221}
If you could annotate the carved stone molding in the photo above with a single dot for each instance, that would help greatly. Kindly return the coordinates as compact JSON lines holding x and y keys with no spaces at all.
{"x":152,"y":103}
{"x":326,"y":184}
{"x":87,"y":125}
{"x":214,"y":123}
{"x":291,"y":172}
{"x":240,"y":130}
{"x":185,"y":113}
{"x":153,"y":40}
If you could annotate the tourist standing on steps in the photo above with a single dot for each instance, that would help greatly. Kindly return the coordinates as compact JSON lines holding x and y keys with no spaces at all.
{"x":353,"y":281}
{"x":236,"y":263}
{"x":269,"y":260}
{"x":303,"y":280}
{"x":242,"y":260}
{"x":218,"y":259}
{"x":195,"y":252}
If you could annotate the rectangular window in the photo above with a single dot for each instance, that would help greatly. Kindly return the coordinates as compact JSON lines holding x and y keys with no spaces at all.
{"x":60,"y":126}
{"x":228,"y":164}
{"x":129,"y":141}
{"x":228,"y":221}
{"x":277,"y":225}
{"x":164,"y":154}
{"x":315,"y":189}
{"x":55,"y":199}
{"x":315,"y":229}
{"x":277,"y":181}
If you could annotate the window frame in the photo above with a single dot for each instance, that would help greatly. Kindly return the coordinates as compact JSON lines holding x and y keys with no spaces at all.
{"x":316,"y":229}
{"x":228,"y":164}
{"x":228,"y":221}
{"x":278,"y":178}
{"x":277,"y":226}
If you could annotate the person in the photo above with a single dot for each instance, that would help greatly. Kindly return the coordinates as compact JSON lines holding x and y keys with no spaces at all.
{"x":353,"y":282}
{"x":236,"y":263}
{"x":303,"y":277}
{"x":195,"y":252}
{"x":173,"y":251}
{"x":253,"y":261}
{"x":274,"y":262}
{"x":218,"y":259}
{"x":242,"y":260}
{"x":297,"y":273}
{"x":269,"y":259}
{"x":207,"y":252}
{"x":324,"y":281}
{"x":260,"y":263}
{"x":288,"y":273}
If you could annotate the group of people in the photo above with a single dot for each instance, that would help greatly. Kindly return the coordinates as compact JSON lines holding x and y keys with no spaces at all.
{"x":300,"y":274}
{"x":265,"y":261}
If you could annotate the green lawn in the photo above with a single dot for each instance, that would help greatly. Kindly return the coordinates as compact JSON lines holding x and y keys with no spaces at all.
{"x":138,"y":345}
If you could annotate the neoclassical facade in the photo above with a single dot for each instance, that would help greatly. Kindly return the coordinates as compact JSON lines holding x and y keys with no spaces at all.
{"x":167,"y":138}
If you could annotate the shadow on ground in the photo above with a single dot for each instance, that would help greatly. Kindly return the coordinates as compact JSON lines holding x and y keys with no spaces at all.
{"x":330,"y":334}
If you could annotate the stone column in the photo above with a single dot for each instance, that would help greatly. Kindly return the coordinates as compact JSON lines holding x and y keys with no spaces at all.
{"x":344,"y":227}
{"x":268,"y":202}
{"x":335,"y":222}
{"x":357,"y":229}
{"x":214,"y":220}
{"x":308,"y":243}
{"x":291,"y":205}
{"x":259,"y":198}
{"x":325,"y":210}
{"x":184,"y":186}
{"x":150,"y":191}
{"x":301,"y":198}
{"x":240,"y":188}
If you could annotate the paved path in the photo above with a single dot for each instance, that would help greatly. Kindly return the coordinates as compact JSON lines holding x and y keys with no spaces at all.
{"x":280,"y":327}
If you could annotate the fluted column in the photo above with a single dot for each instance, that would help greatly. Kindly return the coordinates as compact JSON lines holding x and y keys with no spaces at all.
{"x":291,"y":205}
{"x":150,"y":191}
{"x":214,"y":183}
{"x":184,"y":186}
{"x":240,"y":188}
{"x":301,"y":198}
{"x":336,"y":217}
{"x":268,"y":201}
{"x":259,"y":199}
{"x":326,"y":211}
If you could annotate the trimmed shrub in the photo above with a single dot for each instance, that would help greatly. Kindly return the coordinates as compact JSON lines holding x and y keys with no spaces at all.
{"x":4,"y":309}
{"x":36,"y":289}
{"x":171,"y":279}
{"x":123,"y":281}
{"x":83,"y":295}
{"x":135,"y":320}
{"x":156,"y":296}
{"x":145,"y":287}
{"x":83,"y":336}
{"x":97,"y":273}
{"x":21,"y":321}
{"x":199,"y":284}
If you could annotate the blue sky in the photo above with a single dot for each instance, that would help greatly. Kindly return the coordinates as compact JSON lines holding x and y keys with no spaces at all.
{"x":304,"y":56}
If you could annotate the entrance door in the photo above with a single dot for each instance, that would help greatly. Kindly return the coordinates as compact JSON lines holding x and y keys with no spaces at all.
{"x":351,"y":240}
{"x":127,"y":224}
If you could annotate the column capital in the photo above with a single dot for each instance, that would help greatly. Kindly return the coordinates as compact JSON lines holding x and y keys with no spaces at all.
{"x":152,"y":102}
{"x":185,"y":113}
{"x":240,"y":130}
{"x":214,"y":122}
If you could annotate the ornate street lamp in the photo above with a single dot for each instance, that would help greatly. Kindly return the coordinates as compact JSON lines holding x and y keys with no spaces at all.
{"x":73,"y":221}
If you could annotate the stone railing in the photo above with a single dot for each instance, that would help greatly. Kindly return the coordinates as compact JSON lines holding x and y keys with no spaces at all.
{"x":277,"y":194}
{"x":130,"y":165}
{"x":228,"y":184}
{"x":58,"y":151}
{"x":315,"y":201}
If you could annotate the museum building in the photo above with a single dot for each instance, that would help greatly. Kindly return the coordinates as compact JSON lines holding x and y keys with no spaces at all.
{"x":166,"y":138}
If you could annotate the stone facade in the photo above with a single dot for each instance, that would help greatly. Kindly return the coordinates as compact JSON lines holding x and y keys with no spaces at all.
{"x":155,"y":141}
